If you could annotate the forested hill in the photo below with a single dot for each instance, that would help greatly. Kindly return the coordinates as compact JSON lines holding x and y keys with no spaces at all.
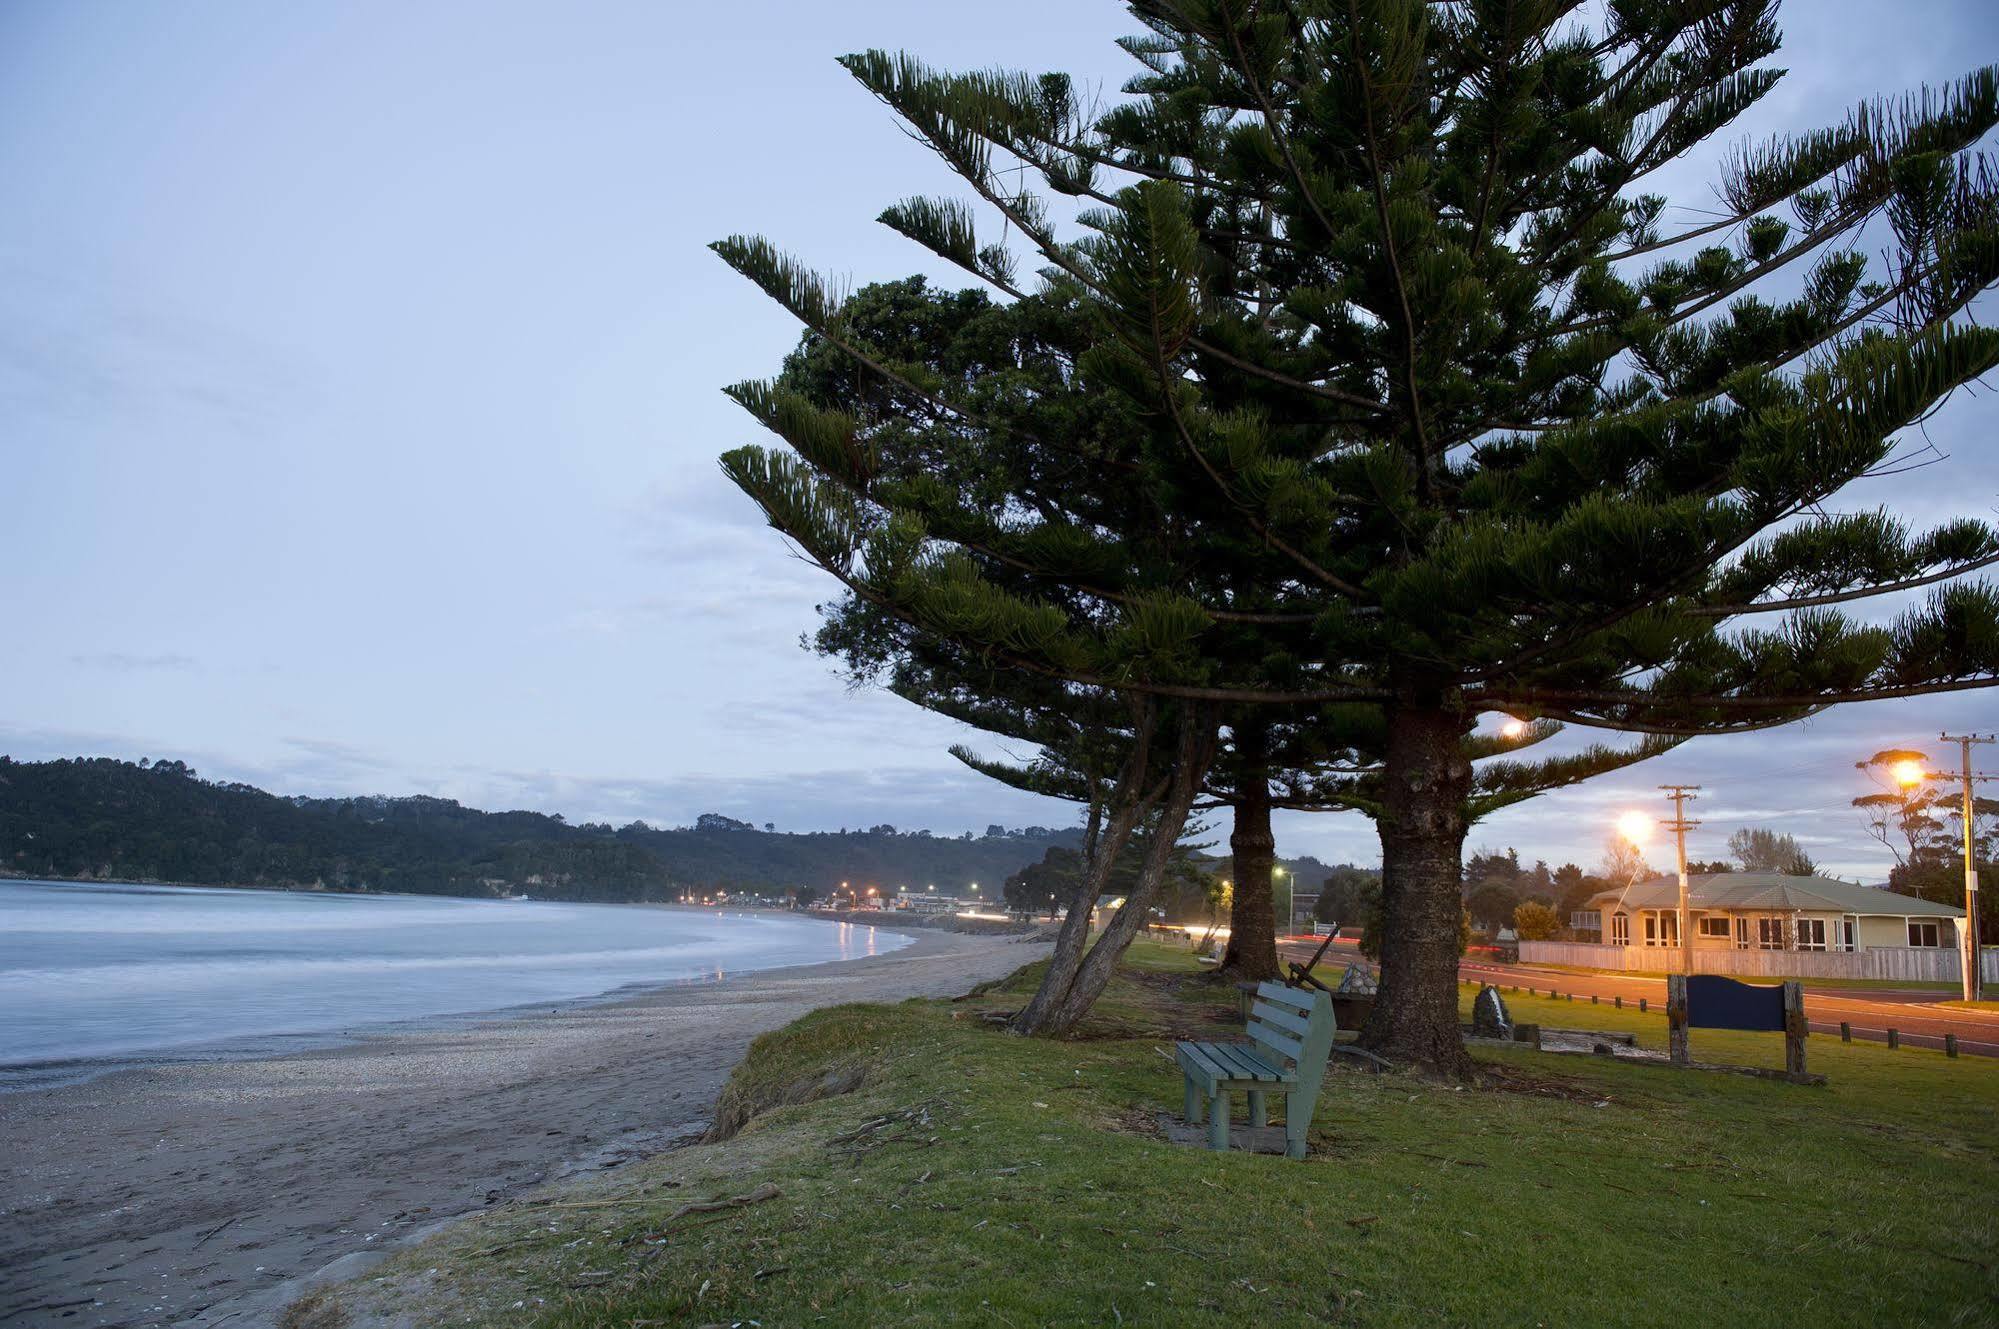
{"x":101,"y":818}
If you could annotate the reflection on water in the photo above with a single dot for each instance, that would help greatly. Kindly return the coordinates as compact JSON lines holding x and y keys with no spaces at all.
{"x":102,"y":975}
{"x":852,"y":949}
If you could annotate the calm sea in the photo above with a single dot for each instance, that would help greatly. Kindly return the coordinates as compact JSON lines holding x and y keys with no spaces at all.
{"x":97,"y":977}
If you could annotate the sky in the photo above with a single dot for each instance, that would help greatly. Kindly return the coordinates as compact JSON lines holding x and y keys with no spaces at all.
{"x":360,"y":374}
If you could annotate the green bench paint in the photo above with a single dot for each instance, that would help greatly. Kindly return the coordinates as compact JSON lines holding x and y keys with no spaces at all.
{"x":1290,"y":1035}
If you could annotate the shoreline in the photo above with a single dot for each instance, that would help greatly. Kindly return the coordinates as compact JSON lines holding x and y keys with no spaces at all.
{"x":20,"y":1077}
{"x":209,"y":1193}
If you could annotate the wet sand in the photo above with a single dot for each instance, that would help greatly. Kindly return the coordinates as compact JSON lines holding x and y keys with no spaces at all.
{"x":203,"y":1194}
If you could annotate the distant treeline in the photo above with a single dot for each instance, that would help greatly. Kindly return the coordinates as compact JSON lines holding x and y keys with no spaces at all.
{"x":159,"y":821}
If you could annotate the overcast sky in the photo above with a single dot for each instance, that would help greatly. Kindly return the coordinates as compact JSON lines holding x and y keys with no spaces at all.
{"x":359,"y":371}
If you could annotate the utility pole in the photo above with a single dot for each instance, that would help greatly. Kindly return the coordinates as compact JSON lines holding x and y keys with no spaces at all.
{"x":1968,"y":939}
{"x":1679,"y":825}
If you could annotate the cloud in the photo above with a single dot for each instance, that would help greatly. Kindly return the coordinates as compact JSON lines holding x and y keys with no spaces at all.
{"x":334,"y":755}
{"x":126,"y":662}
{"x":940,"y":799}
{"x":87,"y":350}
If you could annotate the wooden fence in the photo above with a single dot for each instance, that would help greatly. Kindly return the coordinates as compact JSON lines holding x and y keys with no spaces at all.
{"x":1938,"y":964}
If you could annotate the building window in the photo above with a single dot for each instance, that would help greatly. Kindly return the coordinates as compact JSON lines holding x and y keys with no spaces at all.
{"x":1620,"y":929}
{"x":1923,"y":934}
{"x":1847,"y":927}
{"x":1811,"y":934}
{"x":1769,"y":934}
{"x":1741,"y":934}
{"x":1712,"y":925}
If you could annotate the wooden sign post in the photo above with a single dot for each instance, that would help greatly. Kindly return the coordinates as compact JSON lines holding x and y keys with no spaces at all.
{"x":1795,"y":1028}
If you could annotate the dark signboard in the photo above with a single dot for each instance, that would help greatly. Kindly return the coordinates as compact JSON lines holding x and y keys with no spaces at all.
{"x":1714,"y":1002}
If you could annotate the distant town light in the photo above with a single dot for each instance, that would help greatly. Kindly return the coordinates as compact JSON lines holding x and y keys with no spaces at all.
{"x":1635,"y":827}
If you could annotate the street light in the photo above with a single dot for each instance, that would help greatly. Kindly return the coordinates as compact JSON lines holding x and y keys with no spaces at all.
{"x":1636,"y":827}
{"x":1911,"y":770}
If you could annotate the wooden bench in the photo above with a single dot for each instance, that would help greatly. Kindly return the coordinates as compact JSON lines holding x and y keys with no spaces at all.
{"x":1290,"y":1034}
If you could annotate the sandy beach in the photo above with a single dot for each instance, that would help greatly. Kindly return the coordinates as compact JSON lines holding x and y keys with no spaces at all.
{"x":206,"y":1194}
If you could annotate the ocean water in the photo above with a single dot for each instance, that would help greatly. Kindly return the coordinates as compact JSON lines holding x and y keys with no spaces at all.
{"x":95,"y":977}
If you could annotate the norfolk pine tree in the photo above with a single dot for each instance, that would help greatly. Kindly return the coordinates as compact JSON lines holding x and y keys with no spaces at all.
{"x":1510,"y":439}
{"x":1495,"y":435}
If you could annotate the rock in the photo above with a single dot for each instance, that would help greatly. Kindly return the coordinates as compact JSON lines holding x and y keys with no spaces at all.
{"x":1356,"y":982}
{"x":1489,"y":1016}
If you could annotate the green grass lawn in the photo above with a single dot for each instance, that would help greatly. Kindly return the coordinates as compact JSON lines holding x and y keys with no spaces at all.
{"x":981,"y":1179}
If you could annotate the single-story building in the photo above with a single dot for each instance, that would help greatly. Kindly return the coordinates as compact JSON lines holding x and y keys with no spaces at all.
{"x":1773,"y":911}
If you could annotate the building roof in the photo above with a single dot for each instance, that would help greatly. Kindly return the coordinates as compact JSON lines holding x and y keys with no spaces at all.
{"x":1773,"y":891}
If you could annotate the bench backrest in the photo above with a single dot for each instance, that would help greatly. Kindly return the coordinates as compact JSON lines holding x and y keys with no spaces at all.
{"x":1294,"y":1025}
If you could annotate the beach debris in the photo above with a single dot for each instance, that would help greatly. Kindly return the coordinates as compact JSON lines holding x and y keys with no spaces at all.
{"x":911,"y":1124}
{"x":767,"y":1191}
{"x":212,"y":1231}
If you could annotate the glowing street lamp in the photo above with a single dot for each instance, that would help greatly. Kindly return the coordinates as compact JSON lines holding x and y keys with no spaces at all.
{"x":1908,"y":773}
{"x":1636,"y":827}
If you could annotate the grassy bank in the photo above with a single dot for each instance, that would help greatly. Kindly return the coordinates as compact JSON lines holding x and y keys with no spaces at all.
{"x":953,"y":1174}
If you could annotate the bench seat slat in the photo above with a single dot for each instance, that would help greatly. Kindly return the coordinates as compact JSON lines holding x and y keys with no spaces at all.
{"x":1248,"y":1065}
{"x":1201,"y":1059}
{"x":1230,"y":1063}
{"x":1219,"y":1054}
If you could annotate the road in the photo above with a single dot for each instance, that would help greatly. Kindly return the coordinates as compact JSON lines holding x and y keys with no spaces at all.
{"x":1871,"y":1013}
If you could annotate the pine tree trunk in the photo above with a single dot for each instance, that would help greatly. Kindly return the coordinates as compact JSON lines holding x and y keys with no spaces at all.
{"x":1252,"y":948}
{"x":1130,"y":801}
{"x":1422,"y":827}
{"x":1196,"y":748}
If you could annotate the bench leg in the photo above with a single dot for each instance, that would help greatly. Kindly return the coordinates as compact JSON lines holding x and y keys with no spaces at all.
{"x":1218,"y":1121}
{"x":1257,"y":1116}
{"x":1191,"y":1104}
{"x":1297,"y":1119}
